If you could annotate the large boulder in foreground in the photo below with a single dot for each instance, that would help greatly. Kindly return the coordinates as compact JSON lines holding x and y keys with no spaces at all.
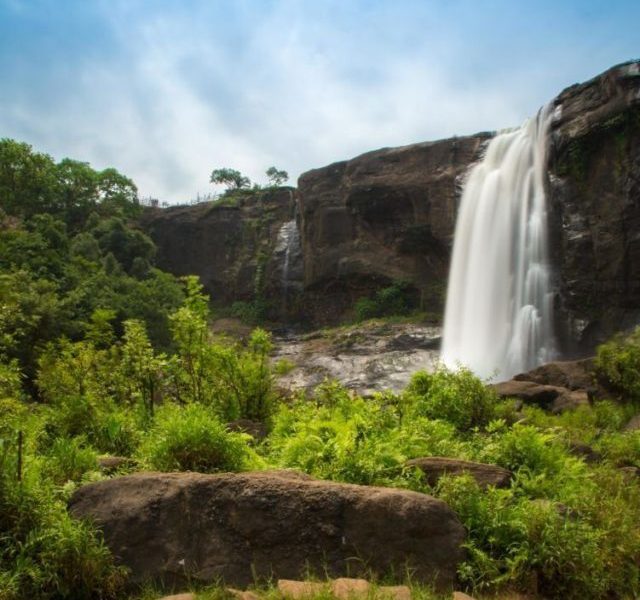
{"x":178,"y":526}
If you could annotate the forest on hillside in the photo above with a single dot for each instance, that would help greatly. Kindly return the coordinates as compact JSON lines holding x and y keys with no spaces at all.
{"x":109,"y":366}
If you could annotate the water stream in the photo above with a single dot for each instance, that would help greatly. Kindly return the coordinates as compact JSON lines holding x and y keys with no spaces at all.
{"x":498,"y":317}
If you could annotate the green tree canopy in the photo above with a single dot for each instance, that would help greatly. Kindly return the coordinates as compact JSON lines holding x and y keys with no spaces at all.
{"x":276,"y":177}
{"x":234,"y":180}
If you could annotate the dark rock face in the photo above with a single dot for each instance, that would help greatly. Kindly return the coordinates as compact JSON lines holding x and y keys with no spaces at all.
{"x":485,"y":475}
{"x":594,"y":191}
{"x":383,"y":216}
{"x":389,"y":215}
{"x":278,"y":524}
{"x":235,"y":248}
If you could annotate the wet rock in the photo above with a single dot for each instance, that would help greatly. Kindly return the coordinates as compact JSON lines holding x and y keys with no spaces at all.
{"x":365,"y":359}
{"x":570,"y":374}
{"x":529,"y":392}
{"x":570,"y":400}
{"x":485,"y":475}
{"x":174,"y":527}
{"x":594,"y":207}
{"x":380,"y":217}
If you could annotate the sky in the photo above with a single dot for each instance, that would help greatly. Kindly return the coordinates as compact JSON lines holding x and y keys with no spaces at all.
{"x":167,"y":90}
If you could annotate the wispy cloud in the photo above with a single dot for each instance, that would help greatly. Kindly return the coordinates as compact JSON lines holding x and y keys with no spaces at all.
{"x":166,"y":90}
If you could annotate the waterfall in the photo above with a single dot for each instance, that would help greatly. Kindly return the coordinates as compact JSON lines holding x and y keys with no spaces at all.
{"x":290,"y":239}
{"x":288,"y":247}
{"x":498,"y":317}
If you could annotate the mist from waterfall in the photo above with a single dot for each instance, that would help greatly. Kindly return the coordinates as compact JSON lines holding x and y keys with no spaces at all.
{"x":498,"y":317}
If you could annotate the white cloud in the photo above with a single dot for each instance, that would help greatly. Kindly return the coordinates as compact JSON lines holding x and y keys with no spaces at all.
{"x":251,"y":84}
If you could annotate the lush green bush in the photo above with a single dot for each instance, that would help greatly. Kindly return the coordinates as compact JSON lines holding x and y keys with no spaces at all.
{"x":618,"y":362}
{"x":346,"y":438}
{"x":69,"y":459}
{"x":392,"y":300}
{"x":517,"y":541}
{"x":192,"y":438}
{"x":44,"y":553}
{"x":457,"y":397}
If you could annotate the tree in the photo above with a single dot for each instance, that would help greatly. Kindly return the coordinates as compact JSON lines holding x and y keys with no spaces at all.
{"x":276,"y":177}
{"x":234,"y":180}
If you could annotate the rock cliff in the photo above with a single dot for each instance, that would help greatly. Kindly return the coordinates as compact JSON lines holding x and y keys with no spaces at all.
{"x":389,"y":215}
{"x":594,"y":194}
{"x":236,"y":245}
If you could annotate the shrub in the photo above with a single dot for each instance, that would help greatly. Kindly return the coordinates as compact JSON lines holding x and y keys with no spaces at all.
{"x":514,"y":540}
{"x":346,"y":438}
{"x":44,"y":553}
{"x":69,"y":460}
{"x":458,"y":397}
{"x":191,"y":438}
{"x":618,"y":362}
{"x":392,"y":300}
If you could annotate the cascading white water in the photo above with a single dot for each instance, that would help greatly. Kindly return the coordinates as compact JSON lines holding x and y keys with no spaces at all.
{"x":288,"y":247}
{"x":498,"y":317}
{"x":290,"y":240}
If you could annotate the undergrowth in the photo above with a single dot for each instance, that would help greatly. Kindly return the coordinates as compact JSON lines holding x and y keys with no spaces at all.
{"x":565,"y":527}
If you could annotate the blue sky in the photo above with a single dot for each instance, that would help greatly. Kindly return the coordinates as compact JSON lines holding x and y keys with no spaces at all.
{"x":167,"y":90}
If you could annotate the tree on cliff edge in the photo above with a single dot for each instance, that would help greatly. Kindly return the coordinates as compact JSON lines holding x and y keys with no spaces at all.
{"x":234,"y":180}
{"x":276,"y":177}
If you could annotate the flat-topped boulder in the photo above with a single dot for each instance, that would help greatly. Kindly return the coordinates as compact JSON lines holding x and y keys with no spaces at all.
{"x":485,"y":475}
{"x":173,"y":527}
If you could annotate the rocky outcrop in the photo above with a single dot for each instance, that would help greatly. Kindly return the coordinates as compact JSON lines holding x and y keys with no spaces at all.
{"x":235,"y":245}
{"x":236,"y":527}
{"x":384,"y":216}
{"x":594,"y":193}
{"x":389,"y":215}
{"x":369,"y":358}
{"x":549,"y":397}
{"x":434,"y":467}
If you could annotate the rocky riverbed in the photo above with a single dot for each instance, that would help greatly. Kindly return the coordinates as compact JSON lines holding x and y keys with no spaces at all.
{"x":368,"y":358}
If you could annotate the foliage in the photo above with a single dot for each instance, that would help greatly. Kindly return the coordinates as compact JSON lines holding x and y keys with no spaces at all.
{"x":346,"y":438}
{"x":235,"y":381}
{"x":192,"y":438}
{"x":457,"y":397}
{"x":276,"y":177}
{"x":44,"y":553}
{"x":32,"y":183}
{"x":391,"y":300}
{"x":618,"y":362}
{"x":233,"y":179}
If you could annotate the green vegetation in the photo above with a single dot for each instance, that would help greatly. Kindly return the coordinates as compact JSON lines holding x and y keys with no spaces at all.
{"x":388,"y":301}
{"x":236,"y":182}
{"x":102,"y":354}
{"x":618,"y":363}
